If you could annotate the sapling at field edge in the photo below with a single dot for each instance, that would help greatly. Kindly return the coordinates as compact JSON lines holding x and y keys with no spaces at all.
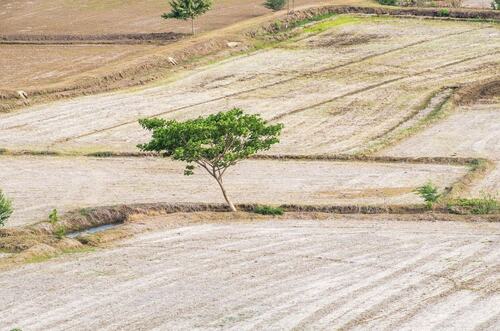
{"x":214,"y":143}
{"x":188,"y":9}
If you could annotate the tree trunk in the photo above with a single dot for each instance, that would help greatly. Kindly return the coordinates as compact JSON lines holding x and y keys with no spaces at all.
{"x":192,"y":26}
{"x":229,"y":203}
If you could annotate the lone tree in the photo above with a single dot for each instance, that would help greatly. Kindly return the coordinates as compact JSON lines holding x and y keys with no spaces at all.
{"x":5,"y":208}
{"x":214,"y":143}
{"x":188,"y":9}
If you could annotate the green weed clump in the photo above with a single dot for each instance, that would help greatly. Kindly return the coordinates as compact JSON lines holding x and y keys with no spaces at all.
{"x":268,"y":210}
{"x":388,"y":2}
{"x":429,"y":193}
{"x":60,"y":232}
{"x":487,"y":204}
{"x":443,"y":12}
{"x":53,"y":217}
{"x":5,"y":208}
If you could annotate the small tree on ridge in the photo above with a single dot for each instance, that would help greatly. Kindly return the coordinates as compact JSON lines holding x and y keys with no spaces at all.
{"x":214,"y":143}
{"x":188,"y":9}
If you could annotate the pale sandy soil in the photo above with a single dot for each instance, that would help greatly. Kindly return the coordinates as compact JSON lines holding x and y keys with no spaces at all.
{"x":342,"y":274}
{"x":471,"y":131}
{"x":39,"y":184}
{"x":484,"y":4}
{"x":25,"y":66}
{"x":340,"y":89}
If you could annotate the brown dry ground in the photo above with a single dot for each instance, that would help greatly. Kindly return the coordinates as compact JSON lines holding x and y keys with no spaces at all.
{"x":39,"y":184}
{"x":36,"y":66}
{"x":119,"y":16}
{"x":345,"y":273}
{"x":28,"y":66}
{"x":342,"y":89}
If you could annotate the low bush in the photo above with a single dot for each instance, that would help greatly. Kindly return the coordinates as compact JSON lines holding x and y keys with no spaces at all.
{"x":388,"y":2}
{"x":275,"y":4}
{"x":268,"y":210}
{"x":60,"y":232}
{"x":429,"y":193}
{"x":443,"y":12}
{"x":495,"y":5}
{"x":479,"y":206}
{"x":5,"y":208}
{"x":53,"y":217}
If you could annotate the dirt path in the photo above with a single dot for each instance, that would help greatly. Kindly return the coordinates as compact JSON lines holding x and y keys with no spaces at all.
{"x":340,"y":89}
{"x":334,"y":274}
{"x":38,"y":184}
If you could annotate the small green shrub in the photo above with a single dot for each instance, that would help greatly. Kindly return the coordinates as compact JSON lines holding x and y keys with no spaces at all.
{"x":268,"y":210}
{"x":443,"y":12}
{"x":429,"y":193}
{"x":53,"y":217}
{"x":275,"y":4}
{"x":388,"y":2}
{"x":487,"y":204}
{"x":495,"y":5}
{"x":60,"y":232}
{"x":5,"y":208}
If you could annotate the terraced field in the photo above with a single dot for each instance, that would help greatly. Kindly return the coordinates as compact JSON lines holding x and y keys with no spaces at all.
{"x":72,"y":183}
{"x":339,"y":273}
{"x":347,"y":85}
{"x":342,"y":88}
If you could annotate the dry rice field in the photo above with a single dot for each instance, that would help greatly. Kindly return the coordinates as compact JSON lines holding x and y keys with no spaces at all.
{"x":342,"y":89}
{"x":343,"y":86}
{"x":339,"y":273}
{"x":39,"y":184}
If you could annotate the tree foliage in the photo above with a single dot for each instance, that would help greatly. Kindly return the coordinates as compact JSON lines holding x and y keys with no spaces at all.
{"x":5,"y":208}
{"x":275,"y":4}
{"x":214,"y":143}
{"x":188,"y":9}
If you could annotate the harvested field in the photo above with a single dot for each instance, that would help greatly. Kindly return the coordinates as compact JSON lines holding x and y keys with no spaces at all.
{"x":28,"y":66}
{"x":339,"y":273}
{"x":39,"y":184}
{"x":472,"y":130}
{"x":341,"y":95}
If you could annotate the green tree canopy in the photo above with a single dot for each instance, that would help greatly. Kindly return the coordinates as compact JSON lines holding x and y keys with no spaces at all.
{"x":214,"y":143}
{"x":275,"y":4}
{"x":5,"y":208}
{"x":188,"y":9}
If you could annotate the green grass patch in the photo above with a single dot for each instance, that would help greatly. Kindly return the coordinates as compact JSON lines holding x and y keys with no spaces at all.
{"x":325,"y":25}
{"x":479,"y":206}
{"x":316,"y":18}
{"x":268,"y":210}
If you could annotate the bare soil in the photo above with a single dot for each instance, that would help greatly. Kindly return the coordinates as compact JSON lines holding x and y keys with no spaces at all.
{"x":338,"y":273}
{"x":472,"y":130}
{"x":119,"y":16}
{"x":340,"y":97}
{"x":29,"y":66}
{"x":39,"y":184}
